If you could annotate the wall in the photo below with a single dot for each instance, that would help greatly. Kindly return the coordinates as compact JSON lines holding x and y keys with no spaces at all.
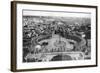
{"x":5,"y":37}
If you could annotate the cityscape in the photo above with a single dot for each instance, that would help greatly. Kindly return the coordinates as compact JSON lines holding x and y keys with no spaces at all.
{"x":52,"y":38}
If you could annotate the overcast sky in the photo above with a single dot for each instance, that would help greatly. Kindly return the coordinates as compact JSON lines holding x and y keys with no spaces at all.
{"x":55,"y":13}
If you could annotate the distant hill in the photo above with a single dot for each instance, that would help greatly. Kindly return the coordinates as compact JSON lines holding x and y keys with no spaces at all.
{"x":66,"y":20}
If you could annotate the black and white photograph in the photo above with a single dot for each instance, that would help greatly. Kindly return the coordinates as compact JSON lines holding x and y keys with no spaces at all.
{"x":56,"y":38}
{"x":49,"y":36}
